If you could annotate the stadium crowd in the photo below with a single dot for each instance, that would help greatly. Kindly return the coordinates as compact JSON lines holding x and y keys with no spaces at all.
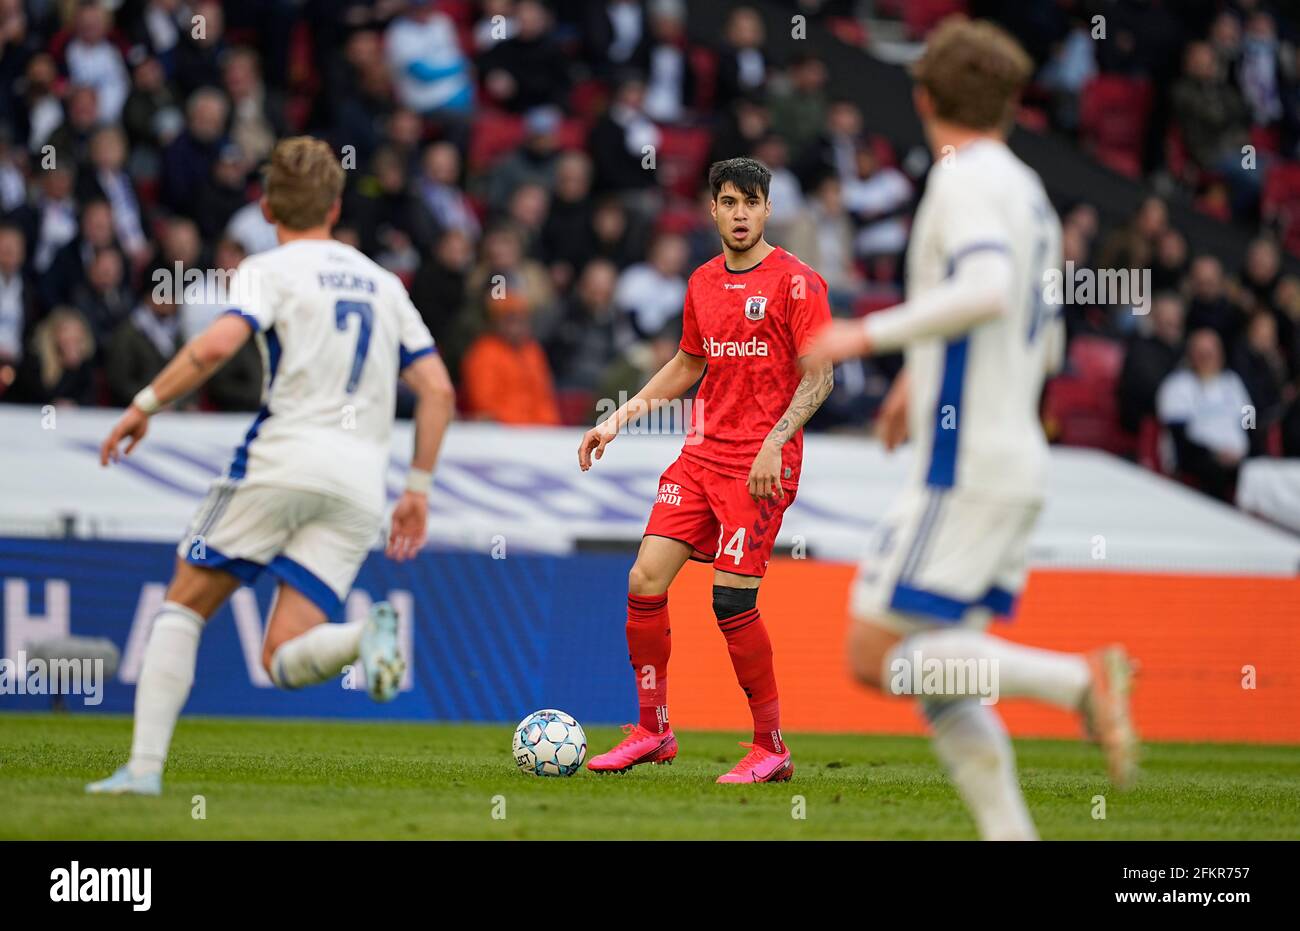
{"x":534,"y":173}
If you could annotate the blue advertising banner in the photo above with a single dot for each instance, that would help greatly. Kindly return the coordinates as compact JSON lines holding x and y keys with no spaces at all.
{"x":489,"y":639}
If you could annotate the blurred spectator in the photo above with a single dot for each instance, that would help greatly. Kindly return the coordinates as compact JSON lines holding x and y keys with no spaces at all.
{"x":1072,"y":65}
{"x":1259,"y":361}
{"x":256,"y":115}
{"x":1134,"y":245}
{"x":836,"y":147}
{"x":439,"y":187}
{"x":617,"y":236}
{"x":222,"y":194}
{"x":198,"y":55}
{"x":152,"y":115}
{"x":71,"y":140}
{"x":60,"y":368}
{"x":93,"y":60}
{"x":1259,"y":69}
{"x":187,"y":161}
{"x":393,"y":221}
{"x":71,"y":264}
{"x":670,"y":80}
{"x":505,"y":374}
{"x":627,"y":374}
{"x":567,"y":238}
{"x":106,"y":178}
{"x":879,"y":197}
{"x":18,"y":307}
{"x":822,"y":237}
{"x":651,"y":293}
{"x":799,"y":104}
{"x":528,"y":69}
{"x":438,"y":292}
{"x":504,"y":270}
{"x":140,"y":346}
{"x":367,"y":95}
{"x":615,"y":35}
{"x":1215,"y":123}
{"x":40,"y":104}
{"x":785,"y":193}
{"x":50,"y":220}
{"x":1208,"y":305}
{"x":742,"y":65}
{"x":205,"y":304}
{"x":532,"y":163}
{"x":103,"y":298}
{"x":526,"y":212}
{"x":587,"y":335}
{"x":1169,"y":267}
{"x":1150,"y":357}
{"x":622,"y":139}
{"x":429,"y":70}
{"x":1203,"y":406}
{"x":747,"y":123}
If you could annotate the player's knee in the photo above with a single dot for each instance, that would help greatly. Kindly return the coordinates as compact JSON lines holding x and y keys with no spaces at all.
{"x":728,"y":602}
{"x":641,"y":581}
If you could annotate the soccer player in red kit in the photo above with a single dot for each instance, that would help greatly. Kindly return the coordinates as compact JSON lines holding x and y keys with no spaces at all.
{"x":748,"y":317}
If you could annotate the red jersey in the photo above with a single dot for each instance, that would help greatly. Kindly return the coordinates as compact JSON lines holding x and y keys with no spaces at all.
{"x":752,"y":326}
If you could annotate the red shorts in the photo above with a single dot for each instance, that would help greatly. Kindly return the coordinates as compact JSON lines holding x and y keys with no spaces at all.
{"x":714,"y":515}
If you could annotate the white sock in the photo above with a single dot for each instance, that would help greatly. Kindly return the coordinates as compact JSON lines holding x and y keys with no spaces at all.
{"x":318,"y":655}
{"x":1056,"y":678}
{"x":166,"y":675}
{"x":971,"y":742}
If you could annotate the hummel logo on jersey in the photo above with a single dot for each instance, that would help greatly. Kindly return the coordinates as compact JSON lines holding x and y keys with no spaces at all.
{"x":755,"y":307}
{"x":732,"y":286}
{"x":752,"y":347}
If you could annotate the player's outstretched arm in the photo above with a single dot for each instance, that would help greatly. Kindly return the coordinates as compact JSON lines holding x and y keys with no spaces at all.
{"x":671,"y":381}
{"x":816,"y":384}
{"x":980,"y":291}
{"x":435,"y":405}
{"x":197,"y":361}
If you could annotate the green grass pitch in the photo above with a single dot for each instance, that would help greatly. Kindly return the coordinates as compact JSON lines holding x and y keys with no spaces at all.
{"x":334,"y":780}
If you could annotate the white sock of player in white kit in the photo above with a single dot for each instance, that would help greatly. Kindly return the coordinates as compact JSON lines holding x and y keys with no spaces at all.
{"x":166,"y":675}
{"x":1057,"y":678}
{"x":316,"y":656}
{"x":971,"y":742}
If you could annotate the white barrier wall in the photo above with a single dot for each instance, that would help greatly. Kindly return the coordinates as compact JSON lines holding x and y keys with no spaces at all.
{"x":523,"y":487}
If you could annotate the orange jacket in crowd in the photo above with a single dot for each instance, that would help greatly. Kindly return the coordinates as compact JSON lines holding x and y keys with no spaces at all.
{"x":508,"y":383}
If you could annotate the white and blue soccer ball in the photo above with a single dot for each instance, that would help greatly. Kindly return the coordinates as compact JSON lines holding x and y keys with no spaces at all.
{"x":550,"y":743}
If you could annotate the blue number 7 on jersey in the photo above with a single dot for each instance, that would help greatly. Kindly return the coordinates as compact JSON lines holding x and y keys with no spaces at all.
{"x":366,"y":316}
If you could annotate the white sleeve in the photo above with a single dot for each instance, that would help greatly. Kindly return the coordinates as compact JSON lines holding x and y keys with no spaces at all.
{"x":979,"y":290}
{"x":253,"y":295}
{"x":415,"y":339}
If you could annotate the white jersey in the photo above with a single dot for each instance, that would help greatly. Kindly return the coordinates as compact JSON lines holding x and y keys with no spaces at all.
{"x":335,"y":331}
{"x":973,"y":410}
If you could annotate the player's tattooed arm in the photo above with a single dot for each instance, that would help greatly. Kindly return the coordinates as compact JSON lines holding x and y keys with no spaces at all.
{"x":814,"y":388}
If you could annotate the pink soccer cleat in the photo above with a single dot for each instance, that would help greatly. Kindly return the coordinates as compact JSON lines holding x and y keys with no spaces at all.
{"x":1107,"y":718}
{"x":638,"y":746}
{"x":761,"y":765}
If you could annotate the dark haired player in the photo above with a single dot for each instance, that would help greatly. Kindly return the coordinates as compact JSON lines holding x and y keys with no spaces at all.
{"x":748,"y":317}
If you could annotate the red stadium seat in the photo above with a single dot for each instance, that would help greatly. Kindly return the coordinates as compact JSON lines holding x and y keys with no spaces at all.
{"x":920,"y":16}
{"x":1096,"y":359}
{"x":494,"y":134}
{"x":1113,"y":121}
{"x":704,"y":65}
{"x":588,"y":99}
{"x":1280,"y":205}
{"x":682,"y":157}
{"x":576,"y":406}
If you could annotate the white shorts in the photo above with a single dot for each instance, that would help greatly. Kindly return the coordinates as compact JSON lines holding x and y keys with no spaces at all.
{"x":312,"y":541}
{"x":944,"y":556}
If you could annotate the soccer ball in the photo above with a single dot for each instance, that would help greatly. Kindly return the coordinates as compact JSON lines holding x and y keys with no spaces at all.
{"x":550,"y":743}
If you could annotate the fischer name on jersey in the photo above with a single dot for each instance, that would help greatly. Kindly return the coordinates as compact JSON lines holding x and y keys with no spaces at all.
{"x":335,"y":330}
{"x":973,"y":414}
{"x":751,"y":326}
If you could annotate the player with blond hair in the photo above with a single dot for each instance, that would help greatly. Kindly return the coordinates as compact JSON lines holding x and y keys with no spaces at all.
{"x":303,"y":496}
